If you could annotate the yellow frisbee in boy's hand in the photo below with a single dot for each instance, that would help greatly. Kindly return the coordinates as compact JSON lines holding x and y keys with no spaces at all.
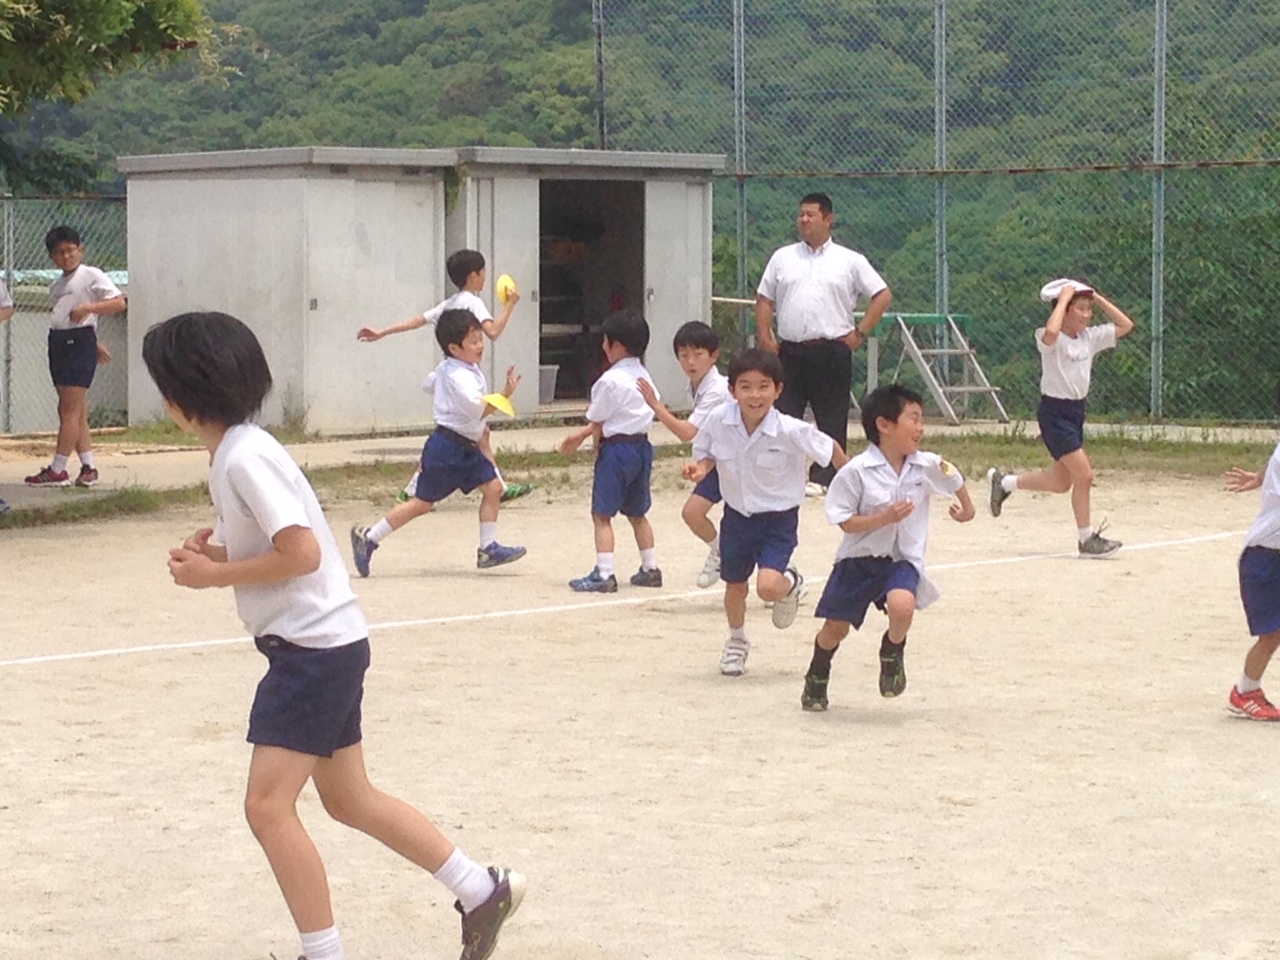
{"x":504,"y":288}
{"x":500,"y":402}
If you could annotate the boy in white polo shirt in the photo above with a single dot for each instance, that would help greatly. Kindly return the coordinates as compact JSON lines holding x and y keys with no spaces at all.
{"x":1067,"y":346}
{"x":466,"y":269}
{"x":697,"y":348}
{"x":81,"y":295}
{"x":760,"y":455}
{"x":619,"y":420}
{"x":274,"y":548}
{"x":881,"y":502}
{"x":451,"y":458}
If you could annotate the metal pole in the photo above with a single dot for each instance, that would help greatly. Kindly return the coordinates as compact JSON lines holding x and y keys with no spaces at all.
{"x":602,"y":128}
{"x":1157,"y":212}
{"x":6,"y":378}
{"x":740,"y":158}
{"x":941,"y":294}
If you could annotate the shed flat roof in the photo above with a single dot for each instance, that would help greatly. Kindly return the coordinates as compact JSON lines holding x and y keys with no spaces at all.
{"x":593,"y":159}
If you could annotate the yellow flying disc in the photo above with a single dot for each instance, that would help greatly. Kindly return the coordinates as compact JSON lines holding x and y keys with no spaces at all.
{"x":505,"y":287}
{"x":499,"y":402}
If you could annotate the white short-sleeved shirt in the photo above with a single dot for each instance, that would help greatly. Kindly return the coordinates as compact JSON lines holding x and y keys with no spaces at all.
{"x":616,"y":401}
{"x":6,"y":300}
{"x":1265,"y":531}
{"x":258,"y":491}
{"x":764,"y":471}
{"x":711,"y":394}
{"x":1067,"y":365}
{"x":816,"y":292}
{"x":462,"y":300}
{"x":868,"y":484}
{"x":458,"y":390}
{"x":84,"y":284}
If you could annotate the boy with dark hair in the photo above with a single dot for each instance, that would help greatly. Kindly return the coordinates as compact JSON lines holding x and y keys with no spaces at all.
{"x":760,"y":455}
{"x":880,"y":499}
{"x":81,"y":295}
{"x":618,"y":420}
{"x":697,"y":347}
{"x":280,"y":557}
{"x":466,"y":270}
{"x":451,"y":457}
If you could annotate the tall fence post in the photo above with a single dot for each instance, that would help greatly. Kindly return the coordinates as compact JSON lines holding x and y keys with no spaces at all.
{"x":6,"y":371}
{"x":602,"y":127}
{"x":1157,"y":211}
{"x":941,"y":293}
{"x":740,"y":158}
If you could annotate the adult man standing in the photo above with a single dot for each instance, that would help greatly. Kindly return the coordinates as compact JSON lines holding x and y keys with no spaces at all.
{"x":813,"y":286}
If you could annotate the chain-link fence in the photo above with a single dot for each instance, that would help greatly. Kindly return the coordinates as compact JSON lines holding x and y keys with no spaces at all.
{"x":28,"y":401}
{"x":975,"y":149}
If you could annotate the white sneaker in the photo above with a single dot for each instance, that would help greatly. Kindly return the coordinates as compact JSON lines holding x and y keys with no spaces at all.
{"x":733,"y":661}
{"x":710,"y":574}
{"x":784,"y":610}
{"x":814,"y":490}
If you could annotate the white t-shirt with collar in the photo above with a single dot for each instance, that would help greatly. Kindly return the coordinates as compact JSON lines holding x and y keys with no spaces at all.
{"x":1067,"y":365}
{"x":815,"y":292}
{"x":6,"y":300}
{"x":867,"y":484}
{"x":1265,"y":531}
{"x":462,"y":300}
{"x":711,"y":394}
{"x":84,"y":284}
{"x":458,"y":390}
{"x":764,"y":471}
{"x":258,"y":491}
{"x":616,"y":401}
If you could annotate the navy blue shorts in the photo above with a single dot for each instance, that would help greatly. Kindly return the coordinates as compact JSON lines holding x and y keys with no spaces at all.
{"x":448,"y":465}
{"x":73,"y":356}
{"x":708,"y":487}
{"x":1260,"y":589}
{"x":858,"y":582}
{"x":1061,"y":425}
{"x":309,"y":701}
{"x":764,"y":540}
{"x":621,"y":482}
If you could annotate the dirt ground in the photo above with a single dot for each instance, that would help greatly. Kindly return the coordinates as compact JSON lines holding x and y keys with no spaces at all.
{"x":1061,"y":778}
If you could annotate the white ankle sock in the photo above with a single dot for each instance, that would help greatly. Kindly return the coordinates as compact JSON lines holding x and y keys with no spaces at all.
{"x":604,"y":563}
{"x":649,"y":559}
{"x":322,"y":945}
{"x":488,"y":532}
{"x":1248,"y":685}
{"x":1084,"y":533}
{"x":466,"y":880}
{"x":714,"y":545}
{"x":86,"y":459}
{"x":1008,"y":483}
{"x":59,"y":464}
{"x":379,"y":531}
{"x":738,"y":633}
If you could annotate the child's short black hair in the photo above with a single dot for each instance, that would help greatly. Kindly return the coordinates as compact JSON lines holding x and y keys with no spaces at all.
{"x":755,"y":360}
{"x":888,"y":402}
{"x":462,"y":265}
{"x":61,"y":234}
{"x":208,"y":365}
{"x":628,"y":328}
{"x":821,"y":199}
{"x":697,"y":335}
{"x":452,"y":328}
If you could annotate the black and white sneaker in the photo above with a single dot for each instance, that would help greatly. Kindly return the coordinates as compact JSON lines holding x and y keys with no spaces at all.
{"x":998,"y":494}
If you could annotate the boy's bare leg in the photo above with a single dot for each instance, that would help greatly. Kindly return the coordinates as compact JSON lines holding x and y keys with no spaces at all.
{"x":276,"y":777}
{"x":831,"y":634}
{"x":411,"y":509}
{"x":643,"y":530}
{"x":73,"y":420}
{"x":772,"y":585}
{"x":696,"y":516}
{"x":1054,"y":480}
{"x":351,"y":799}
{"x":603,"y":528}
{"x":900,"y":605}
{"x":735,"y":604}
{"x":490,"y":498}
{"x":85,"y":442}
{"x":1080,"y":471}
{"x":1259,"y":655}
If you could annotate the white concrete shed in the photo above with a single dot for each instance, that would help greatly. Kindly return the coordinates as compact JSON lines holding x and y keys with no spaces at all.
{"x":308,"y":244}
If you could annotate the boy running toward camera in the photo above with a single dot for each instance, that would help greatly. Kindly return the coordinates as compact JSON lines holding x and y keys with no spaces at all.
{"x":880,"y":499}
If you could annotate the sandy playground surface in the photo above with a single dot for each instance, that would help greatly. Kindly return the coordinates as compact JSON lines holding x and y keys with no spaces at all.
{"x":1060,"y":779}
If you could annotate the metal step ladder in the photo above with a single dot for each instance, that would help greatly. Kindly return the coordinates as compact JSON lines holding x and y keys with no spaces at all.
{"x":951,"y":383}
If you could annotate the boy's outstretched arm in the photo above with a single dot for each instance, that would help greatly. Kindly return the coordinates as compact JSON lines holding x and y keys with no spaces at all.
{"x":838,"y":457}
{"x":371,"y":334}
{"x":295,"y":553}
{"x":962,"y":510}
{"x":493,"y":328}
{"x":683,"y":429}
{"x":1124,"y":325}
{"x":576,"y":439}
{"x":1241,"y":481}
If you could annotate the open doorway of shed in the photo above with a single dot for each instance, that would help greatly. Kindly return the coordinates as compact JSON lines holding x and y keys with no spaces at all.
{"x":591,"y":263}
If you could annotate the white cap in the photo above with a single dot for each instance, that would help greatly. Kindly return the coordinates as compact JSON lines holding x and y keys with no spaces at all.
{"x":1051,"y":290}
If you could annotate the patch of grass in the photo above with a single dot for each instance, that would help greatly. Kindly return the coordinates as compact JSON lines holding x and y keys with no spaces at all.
{"x":165,"y":433}
{"x":127,"y":501}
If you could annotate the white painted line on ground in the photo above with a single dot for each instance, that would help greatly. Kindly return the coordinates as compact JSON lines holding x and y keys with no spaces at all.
{"x":571,"y":607}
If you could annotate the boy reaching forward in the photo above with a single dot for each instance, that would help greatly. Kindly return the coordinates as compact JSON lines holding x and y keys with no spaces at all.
{"x":760,"y":455}
{"x":292,"y":591}
{"x":880,"y":499}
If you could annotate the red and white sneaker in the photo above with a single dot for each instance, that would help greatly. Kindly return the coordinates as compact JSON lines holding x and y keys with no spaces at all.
{"x":88,"y":477}
{"x":1253,"y":705}
{"x":48,"y":478}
